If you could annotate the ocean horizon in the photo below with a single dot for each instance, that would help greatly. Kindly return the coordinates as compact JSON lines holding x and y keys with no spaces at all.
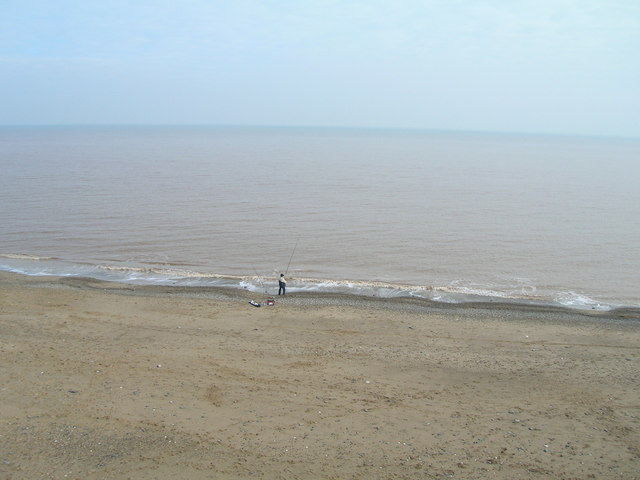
{"x":445,"y":216}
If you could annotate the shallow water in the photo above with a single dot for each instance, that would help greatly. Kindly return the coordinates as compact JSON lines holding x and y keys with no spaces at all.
{"x":434,"y":214}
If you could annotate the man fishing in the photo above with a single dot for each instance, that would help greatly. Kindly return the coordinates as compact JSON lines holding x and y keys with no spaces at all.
{"x":282,"y":282}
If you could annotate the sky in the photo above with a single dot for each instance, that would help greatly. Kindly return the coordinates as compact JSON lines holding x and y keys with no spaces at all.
{"x":532,"y":66}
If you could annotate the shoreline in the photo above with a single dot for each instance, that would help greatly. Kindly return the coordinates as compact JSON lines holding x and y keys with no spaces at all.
{"x":328,"y":298}
{"x":169,"y":274}
{"x":105,"y":380}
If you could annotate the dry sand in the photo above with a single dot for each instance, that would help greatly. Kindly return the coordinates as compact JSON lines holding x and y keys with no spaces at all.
{"x":111,"y":381}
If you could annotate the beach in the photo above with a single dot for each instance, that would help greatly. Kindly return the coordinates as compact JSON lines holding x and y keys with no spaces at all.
{"x":103,"y":380}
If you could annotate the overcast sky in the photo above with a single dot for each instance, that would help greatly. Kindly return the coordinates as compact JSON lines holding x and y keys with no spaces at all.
{"x":539,"y":66}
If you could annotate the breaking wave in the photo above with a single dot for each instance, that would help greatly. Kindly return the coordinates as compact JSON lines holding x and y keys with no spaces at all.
{"x":515,"y":291}
{"x":22,"y":256}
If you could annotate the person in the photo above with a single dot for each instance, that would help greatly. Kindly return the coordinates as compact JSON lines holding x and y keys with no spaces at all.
{"x":282,"y":282}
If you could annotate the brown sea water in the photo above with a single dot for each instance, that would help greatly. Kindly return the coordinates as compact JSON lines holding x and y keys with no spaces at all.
{"x":447,"y":216}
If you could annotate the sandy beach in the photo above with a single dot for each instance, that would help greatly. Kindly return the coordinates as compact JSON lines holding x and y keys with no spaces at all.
{"x":113,"y":381}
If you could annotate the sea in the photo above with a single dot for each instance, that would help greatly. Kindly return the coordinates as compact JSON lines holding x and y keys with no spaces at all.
{"x":450,"y":217}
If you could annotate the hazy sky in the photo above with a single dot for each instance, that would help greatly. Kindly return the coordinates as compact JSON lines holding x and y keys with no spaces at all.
{"x":547,"y":66}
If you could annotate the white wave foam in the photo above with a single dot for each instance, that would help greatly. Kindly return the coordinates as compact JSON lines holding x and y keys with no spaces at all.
{"x":457,"y":287}
{"x":508,"y":289}
{"x":166,"y":273}
{"x":580,"y":301}
{"x":23,"y":256}
{"x":454,"y":292}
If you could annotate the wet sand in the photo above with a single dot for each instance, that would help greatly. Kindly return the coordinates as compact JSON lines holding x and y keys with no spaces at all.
{"x":113,"y":381}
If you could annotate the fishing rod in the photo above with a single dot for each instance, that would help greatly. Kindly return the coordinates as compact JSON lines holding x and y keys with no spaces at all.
{"x":259,"y":279}
{"x":291,"y":258}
